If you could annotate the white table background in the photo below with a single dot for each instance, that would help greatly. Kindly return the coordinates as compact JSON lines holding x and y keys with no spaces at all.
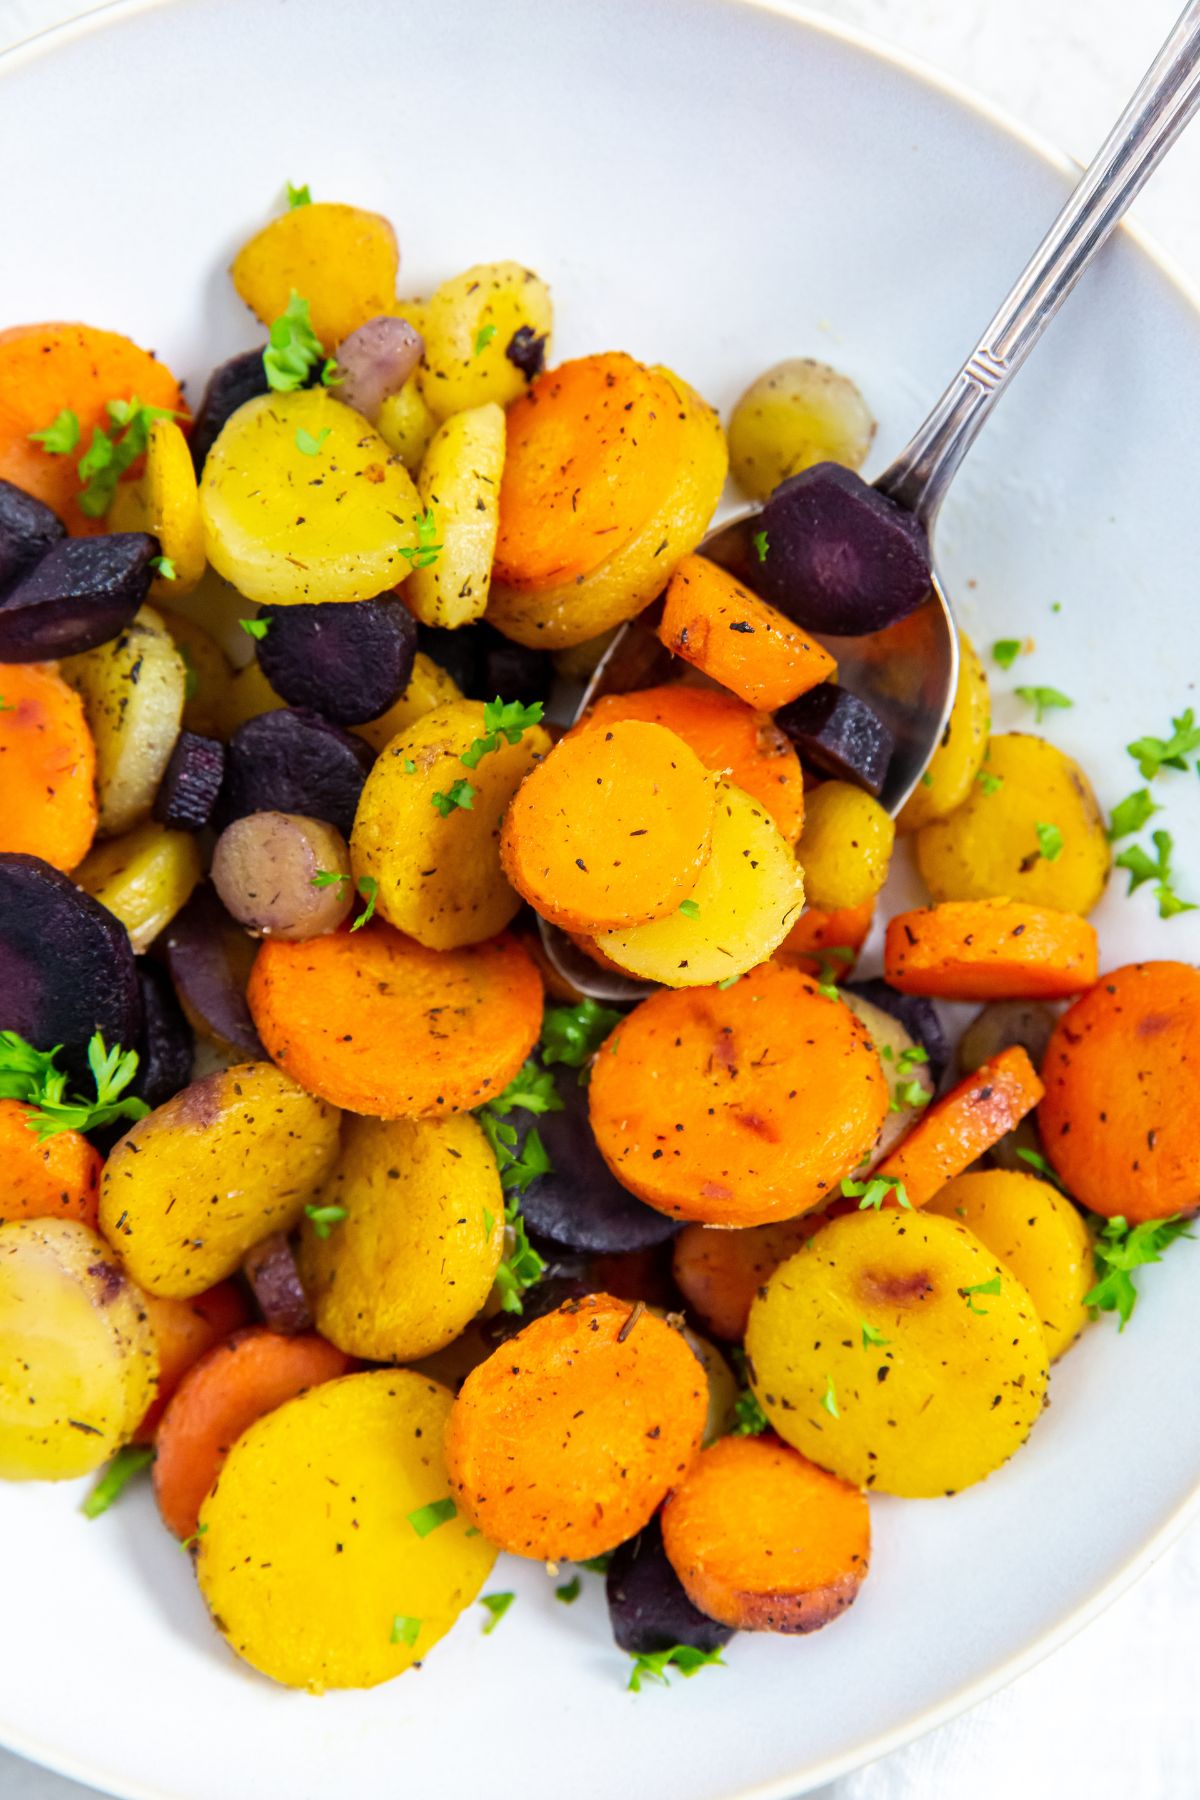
{"x":1116,"y":1713}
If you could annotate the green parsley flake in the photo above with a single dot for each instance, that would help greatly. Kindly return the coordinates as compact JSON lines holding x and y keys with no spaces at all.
{"x":1130,"y":814}
{"x":329,"y":375}
{"x":427,"y":1518}
{"x":1043,"y":699}
{"x":909,"y":1093}
{"x":761,"y":545}
{"x":61,"y":436}
{"x":112,"y":452}
{"x":1141,"y":867}
{"x":871,"y":1336}
{"x":6,"y":706}
{"x":991,"y":784}
{"x":325,"y":878}
{"x":729,"y":981}
{"x":255,"y":628}
{"x":32,"y":1075}
{"x":300,"y":196}
{"x":506,"y":719}
{"x":164,"y":567}
{"x":872,"y":1193}
{"x":189,"y":1543}
{"x":424,"y":553}
{"x":1118,"y":1250}
{"x":1005,"y":651}
{"x":914,"y":1057}
{"x":570,"y":1591}
{"x":653,"y":1665}
{"x":497,"y":1605}
{"x":293,"y":349}
{"x":927,"y":779}
{"x":749,"y":1418}
{"x":531,"y":1088}
{"x":116,"y":1477}
{"x":980,"y":1287}
{"x":829,"y":1399}
{"x":460,"y":793}
{"x":404,"y":1630}
{"x":522,"y":1268}
{"x":1050,"y":841}
{"x":368,"y":887}
{"x":597,"y":1565}
{"x":573,"y":1034}
{"x":1153,"y":754}
{"x":689,"y":909}
{"x":410,"y":767}
{"x":324,"y":1218}
{"x":1037,"y":1161}
{"x":307,"y":444}
{"x":483,"y":338}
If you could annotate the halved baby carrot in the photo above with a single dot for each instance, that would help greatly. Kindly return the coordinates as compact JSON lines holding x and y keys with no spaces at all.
{"x":231,"y":1386}
{"x":826,"y":944}
{"x":374,"y":1022}
{"x":183,"y":1331}
{"x":592,"y":452}
{"x":58,"y":1178}
{"x":612,"y":829}
{"x":738,"y":640}
{"x":719,"y":1272}
{"x":737,"y":1107}
{"x":48,"y":369}
{"x":729,"y":737}
{"x":990,"y":950}
{"x":764,"y":1540}
{"x":47,"y":767}
{"x":565,"y":1441}
{"x":964,"y":1123}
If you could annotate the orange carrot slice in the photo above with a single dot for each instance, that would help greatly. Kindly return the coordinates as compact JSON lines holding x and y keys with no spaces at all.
{"x":47,"y":767}
{"x":964,"y":1123}
{"x":183,"y":1331}
{"x":719,"y":1272}
{"x":990,"y":950}
{"x":58,"y":1178}
{"x":749,"y":647}
{"x":825,"y":945}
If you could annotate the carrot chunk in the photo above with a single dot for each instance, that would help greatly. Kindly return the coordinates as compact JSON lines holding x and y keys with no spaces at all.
{"x":612,"y":829}
{"x":234,"y":1384}
{"x":1122,"y":1074}
{"x":47,"y":767}
{"x":964,"y":1123}
{"x":764,"y":1540}
{"x":375,"y":1023}
{"x":58,"y":1178}
{"x":737,"y":1107}
{"x":749,"y":647}
{"x":990,"y":950}
{"x":823,"y":943}
{"x":565,"y":1441}
{"x":719,"y":1272}
{"x":183,"y":1331}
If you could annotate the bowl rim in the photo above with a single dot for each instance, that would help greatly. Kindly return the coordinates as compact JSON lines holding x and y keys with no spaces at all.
{"x":918,"y":69}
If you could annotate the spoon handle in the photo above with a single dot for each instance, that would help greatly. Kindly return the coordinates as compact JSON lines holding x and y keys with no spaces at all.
{"x":1163,"y":104}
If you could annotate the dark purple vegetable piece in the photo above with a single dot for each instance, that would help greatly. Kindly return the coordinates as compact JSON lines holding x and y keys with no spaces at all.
{"x":348,"y":661}
{"x":27,"y":530}
{"x":526,"y":351}
{"x":836,"y":732}
{"x":561,"y":1282}
{"x":82,"y":593}
{"x":209,"y":958}
{"x":66,"y":966}
{"x":841,"y":558}
{"x":293,"y":761}
{"x":166,"y":1045}
{"x":512,"y":671}
{"x":647,"y":1605}
{"x":191,"y":782}
{"x":460,"y":653}
{"x":229,"y":386}
{"x":918,"y":1016}
{"x":271,"y":1270}
{"x":375,"y":361}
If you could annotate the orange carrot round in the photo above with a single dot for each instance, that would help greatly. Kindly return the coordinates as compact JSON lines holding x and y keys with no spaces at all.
{"x":719,"y":1272}
{"x":748,"y":646}
{"x":737,"y":1107}
{"x":612,"y":829}
{"x":1122,"y":1074}
{"x":47,"y":767}
{"x":764,"y":1540}
{"x":565,"y":1441}
{"x":826,"y":944}
{"x":183,"y":1331}
{"x":990,"y":950}
{"x":231,"y":1386}
{"x":45,"y":369}
{"x":57,"y":1178}
{"x":958,"y":1128}
{"x":375,"y":1023}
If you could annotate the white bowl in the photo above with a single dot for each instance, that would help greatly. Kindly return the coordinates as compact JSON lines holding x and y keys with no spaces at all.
{"x":715,"y":185}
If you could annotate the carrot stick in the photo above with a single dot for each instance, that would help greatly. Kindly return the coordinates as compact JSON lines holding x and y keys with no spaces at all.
{"x":990,"y":950}
{"x":749,"y":647}
{"x":375,"y":1023}
{"x":58,"y":1178}
{"x":730,"y":738}
{"x":45,"y":369}
{"x":565,"y":1441}
{"x":764,"y":1540}
{"x":183,"y":1331}
{"x":47,"y":767}
{"x":719,"y":1272}
{"x":964,"y":1123}
{"x":824,"y":944}
{"x":231,"y":1386}
{"x":612,"y":829}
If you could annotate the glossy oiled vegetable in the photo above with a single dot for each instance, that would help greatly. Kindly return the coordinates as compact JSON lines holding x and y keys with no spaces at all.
{"x":459,"y":487}
{"x":133,"y":691}
{"x":964,"y":1354}
{"x":341,"y":259}
{"x":566,"y":1440}
{"x":27,"y":530}
{"x":990,"y":949}
{"x":292,"y":760}
{"x":435,"y":863}
{"x":183,"y":1331}
{"x":349,"y":662}
{"x":66,"y":967}
{"x":191,"y":783}
{"x":949,"y":1135}
{"x":209,"y":958}
{"x":274,"y":1280}
{"x":470,"y":325}
{"x":283,"y":875}
{"x":164,"y":502}
{"x":414,"y":1258}
{"x":406,"y":424}
{"x":230,"y":385}
{"x":1029,"y":830}
{"x":845,"y":848}
{"x":647,"y":1605}
{"x":375,"y":361}
{"x":825,"y":944}
{"x":79,"y":595}
{"x":324,"y":1556}
{"x":47,"y":767}
{"x":165,"y":1044}
{"x":909,"y":1080}
{"x":77,"y":1355}
{"x":919,"y":1017}
{"x":287,"y":522}
{"x":1122,"y":1098}
{"x":764,"y":1540}
{"x":840,"y":735}
{"x":718,"y":1272}
{"x":718,"y":626}
{"x":1034,"y":1231}
{"x":45,"y":1178}
{"x":335,"y":1010}
{"x":741,"y":908}
{"x":143,"y":877}
{"x":428,"y":686}
{"x":739,"y":1107}
{"x":798,"y":413}
{"x":958,"y":760}
{"x":191,"y":1187}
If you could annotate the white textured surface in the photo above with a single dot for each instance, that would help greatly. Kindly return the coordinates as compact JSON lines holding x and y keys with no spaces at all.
{"x":1114,"y":1714}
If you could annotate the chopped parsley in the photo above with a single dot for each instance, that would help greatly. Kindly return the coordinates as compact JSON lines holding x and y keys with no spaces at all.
{"x":573,"y":1034}
{"x":1005,"y":651}
{"x":424,"y":553}
{"x":518,"y":1164}
{"x":459,"y":793}
{"x":116,"y":1478}
{"x":1043,"y":699}
{"x":113,"y":451}
{"x":761,"y":545}
{"x":827,"y":973}
{"x":293,"y":349}
{"x":7,"y":706}
{"x":404,"y":1630}
{"x":324,"y":1218}
{"x":980,"y":1287}
{"x":1130,"y":814}
{"x":1142,"y":867}
{"x":61,"y":436}
{"x":255,"y":628}
{"x":325,"y":878}
{"x":483,"y":338}
{"x":307,"y":444}
{"x":300,"y":196}
{"x":1118,"y":1250}
{"x":531,"y":1088}
{"x":872,"y":1336}
{"x":652,"y":1665}
{"x":506,"y":719}
{"x":368,"y":887}
{"x":991,"y":784}
{"x":749,"y":1418}
{"x":729,"y":981}
{"x":1037,"y":1161}
{"x":31,"y":1075}
{"x":1050,"y":841}
{"x":570,"y":1591}
{"x":427,"y":1518}
{"x":165,"y":568}
{"x":829,"y":1399}
{"x":909,"y":1093}
{"x":522,"y":1268}
{"x":597,"y":1565}
{"x":689,"y":909}
{"x":1153,"y":754}
{"x":872,"y":1193}
{"x":189,"y":1543}
{"x":497,"y":1605}
{"x":913,"y":1057}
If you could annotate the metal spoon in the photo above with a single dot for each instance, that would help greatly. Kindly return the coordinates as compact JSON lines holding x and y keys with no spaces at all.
{"x":909,"y":671}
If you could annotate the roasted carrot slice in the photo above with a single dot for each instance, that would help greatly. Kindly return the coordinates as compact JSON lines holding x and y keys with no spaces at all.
{"x":58,"y":1178}
{"x":612,"y":829}
{"x":730,"y":738}
{"x":565,"y":1441}
{"x":719,"y":1272}
{"x":46,"y":369}
{"x":749,"y":647}
{"x":825,"y":944}
{"x":234,"y":1384}
{"x":737,"y":1107}
{"x":47,"y":767}
{"x":990,"y":950}
{"x":183,"y":1331}
{"x":964,"y":1123}
{"x":764,"y":1540}
{"x":1122,"y":1074}
{"x":375,"y":1023}
{"x":592,"y":452}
